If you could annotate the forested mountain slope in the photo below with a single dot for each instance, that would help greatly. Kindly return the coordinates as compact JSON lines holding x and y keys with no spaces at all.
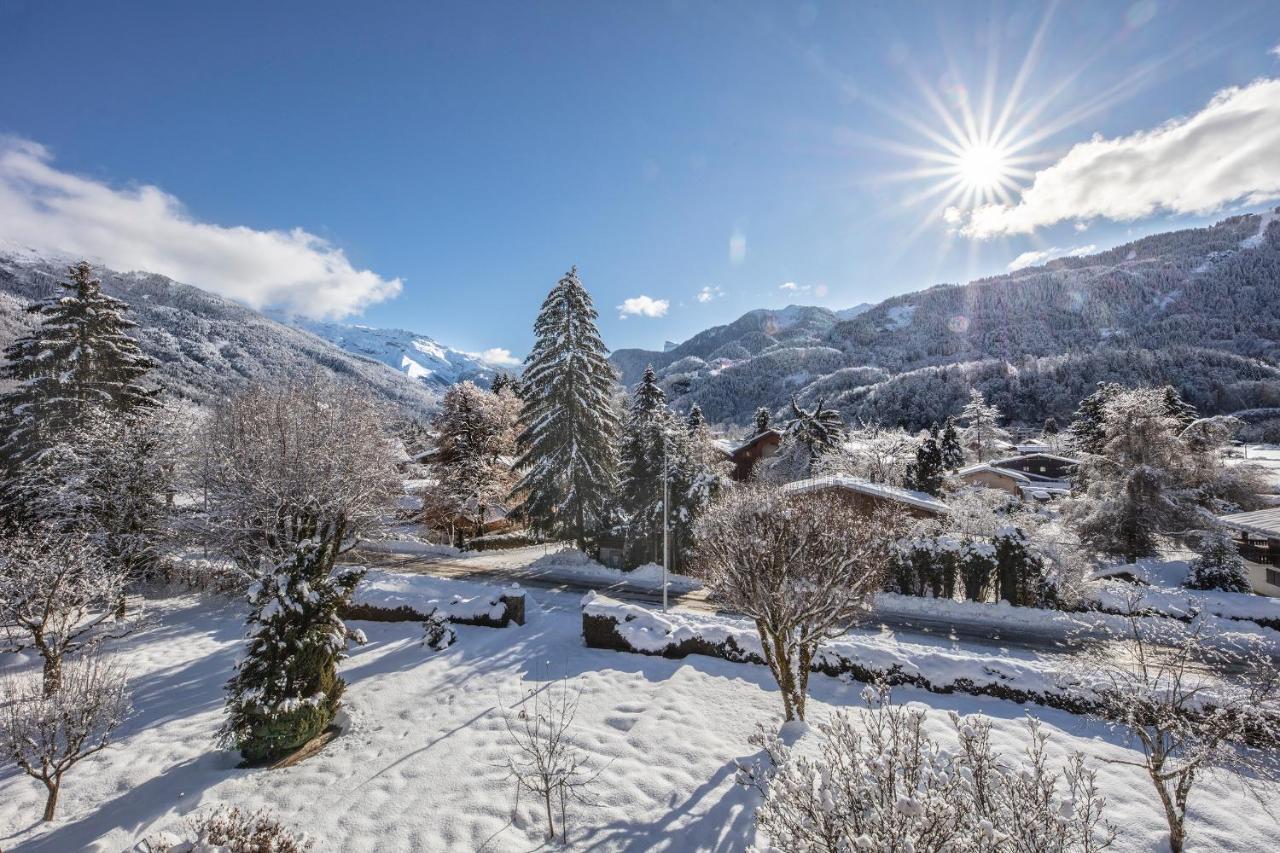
{"x":205,"y":345}
{"x":1199,"y":308}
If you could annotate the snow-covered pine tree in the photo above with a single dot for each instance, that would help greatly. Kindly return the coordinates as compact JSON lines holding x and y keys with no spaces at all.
{"x":982,"y":433}
{"x":286,"y":689}
{"x":79,"y":359}
{"x":950,"y":447}
{"x":1219,"y":565}
{"x":925,"y":473}
{"x":1087,"y":434}
{"x":1179,"y":408}
{"x":646,"y":436}
{"x":818,"y":430}
{"x":567,"y":446}
{"x":1140,"y":486}
{"x":698,"y":475}
{"x":761,"y":420}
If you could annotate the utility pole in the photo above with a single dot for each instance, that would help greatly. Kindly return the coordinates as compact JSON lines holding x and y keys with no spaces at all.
{"x":666,"y":518}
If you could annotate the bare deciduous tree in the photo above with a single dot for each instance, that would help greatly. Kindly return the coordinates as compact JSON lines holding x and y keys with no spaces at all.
{"x":804,"y":566}
{"x":1192,"y":702}
{"x":46,"y":733}
{"x":545,"y":761}
{"x":311,"y":460}
{"x":58,"y":595}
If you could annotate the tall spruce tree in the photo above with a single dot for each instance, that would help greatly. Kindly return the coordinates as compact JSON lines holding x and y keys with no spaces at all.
{"x":698,"y":475}
{"x":1088,"y":433}
{"x":949,"y":446}
{"x":646,"y":437}
{"x":78,"y":363}
{"x":1177,"y":407}
{"x":762,"y":420}
{"x":925,"y":473}
{"x":567,"y":448}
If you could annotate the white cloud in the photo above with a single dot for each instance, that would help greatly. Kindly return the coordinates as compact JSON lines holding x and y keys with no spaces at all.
{"x":709,"y":293}
{"x":1275,"y":51}
{"x":498,"y":356}
{"x":643,"y":306}
{"x":737,"y":247}
{"x":819,"y":290}
{"x":1223,"y":154}
{"x":145,"y":228}
{"x":1028,"y":259}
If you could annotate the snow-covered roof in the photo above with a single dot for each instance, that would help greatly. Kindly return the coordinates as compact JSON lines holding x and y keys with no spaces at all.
{"x":1260,"y":522}
{"x":1054,"y":456}
{"x":1032,"y":447}
{"x":1003,"y":472}
{"x":866,"y":487}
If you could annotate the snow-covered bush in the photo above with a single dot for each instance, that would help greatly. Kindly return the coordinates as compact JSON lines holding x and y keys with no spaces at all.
{"x":881,"y":783}
{"x":437,"y":633}
{"x":1020,"y":570}
{"x":1219,"y":565}
{"x":229,"y":830}
{"x":286,"y":689}
{"x":925,"y":565}
{"x":46,"y":732}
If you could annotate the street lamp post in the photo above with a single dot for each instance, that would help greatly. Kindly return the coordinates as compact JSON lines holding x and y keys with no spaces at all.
{"x":666,"y":518}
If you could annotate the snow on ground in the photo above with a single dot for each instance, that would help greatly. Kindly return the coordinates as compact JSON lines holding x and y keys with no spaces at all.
{"x":1162,"y":592}
{"x":577,"y":564}
{"x":417,"y":769}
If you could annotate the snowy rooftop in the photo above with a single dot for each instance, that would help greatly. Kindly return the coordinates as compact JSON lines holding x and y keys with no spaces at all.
{"x":866,"y":487}
{"x":1054,"y":456}
{"x":1261,"y":522}
{"x":1003,"y":472}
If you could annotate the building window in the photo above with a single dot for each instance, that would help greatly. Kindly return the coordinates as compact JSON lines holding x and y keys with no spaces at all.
{"x":1273,"y":577}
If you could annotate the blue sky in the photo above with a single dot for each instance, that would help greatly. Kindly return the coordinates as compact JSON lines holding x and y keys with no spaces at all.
{"x":446,"y":163}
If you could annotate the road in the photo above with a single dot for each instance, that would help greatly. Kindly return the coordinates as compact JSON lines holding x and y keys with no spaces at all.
{"x":519,"y":565}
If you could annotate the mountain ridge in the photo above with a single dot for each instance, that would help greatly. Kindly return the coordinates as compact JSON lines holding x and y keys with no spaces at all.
{"x":1211,"y":294}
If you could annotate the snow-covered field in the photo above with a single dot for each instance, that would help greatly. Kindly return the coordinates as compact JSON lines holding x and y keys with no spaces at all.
{"x":418,"y":767}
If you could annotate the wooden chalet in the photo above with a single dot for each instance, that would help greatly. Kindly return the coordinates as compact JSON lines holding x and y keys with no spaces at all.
{"x":870,"y":497}
{"x":1258,"y":540}
{"x":747,"y":454}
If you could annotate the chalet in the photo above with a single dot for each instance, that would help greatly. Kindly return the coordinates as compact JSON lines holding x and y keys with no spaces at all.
{"x":1040,"y":466}
{"x":747,"y":454}
{"x":1258,"y":540}
{"x":869,"y":496}
{"x":991,"y":477}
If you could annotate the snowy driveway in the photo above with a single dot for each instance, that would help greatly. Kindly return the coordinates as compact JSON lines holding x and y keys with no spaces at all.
{"x":536,"y":567}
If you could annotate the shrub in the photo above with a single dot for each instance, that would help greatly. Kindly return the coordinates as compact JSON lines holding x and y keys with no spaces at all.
{"x":880,"y":782}
{"x":1219,"y":565}
{"x":239,"y":831}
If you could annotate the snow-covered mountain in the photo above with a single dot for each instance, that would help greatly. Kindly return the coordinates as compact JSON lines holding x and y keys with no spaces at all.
{"x":415,"y":355}
{"x":206,"y":346}
{"x":1199,"y":308}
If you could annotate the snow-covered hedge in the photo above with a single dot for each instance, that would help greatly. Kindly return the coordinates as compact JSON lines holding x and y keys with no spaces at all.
{"x":611,"y":624}
{"x":394,"y":597}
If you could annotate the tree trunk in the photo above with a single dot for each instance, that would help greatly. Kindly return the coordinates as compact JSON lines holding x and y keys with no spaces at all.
{"x":51,"y":804}
{"x":551,"y":826}
{"x":1175,"y":820}
{"x":52,"y":674}
{"x":784,"y":672}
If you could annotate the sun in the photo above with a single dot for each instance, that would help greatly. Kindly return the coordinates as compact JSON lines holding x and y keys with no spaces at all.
{"x":982,"y":168}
